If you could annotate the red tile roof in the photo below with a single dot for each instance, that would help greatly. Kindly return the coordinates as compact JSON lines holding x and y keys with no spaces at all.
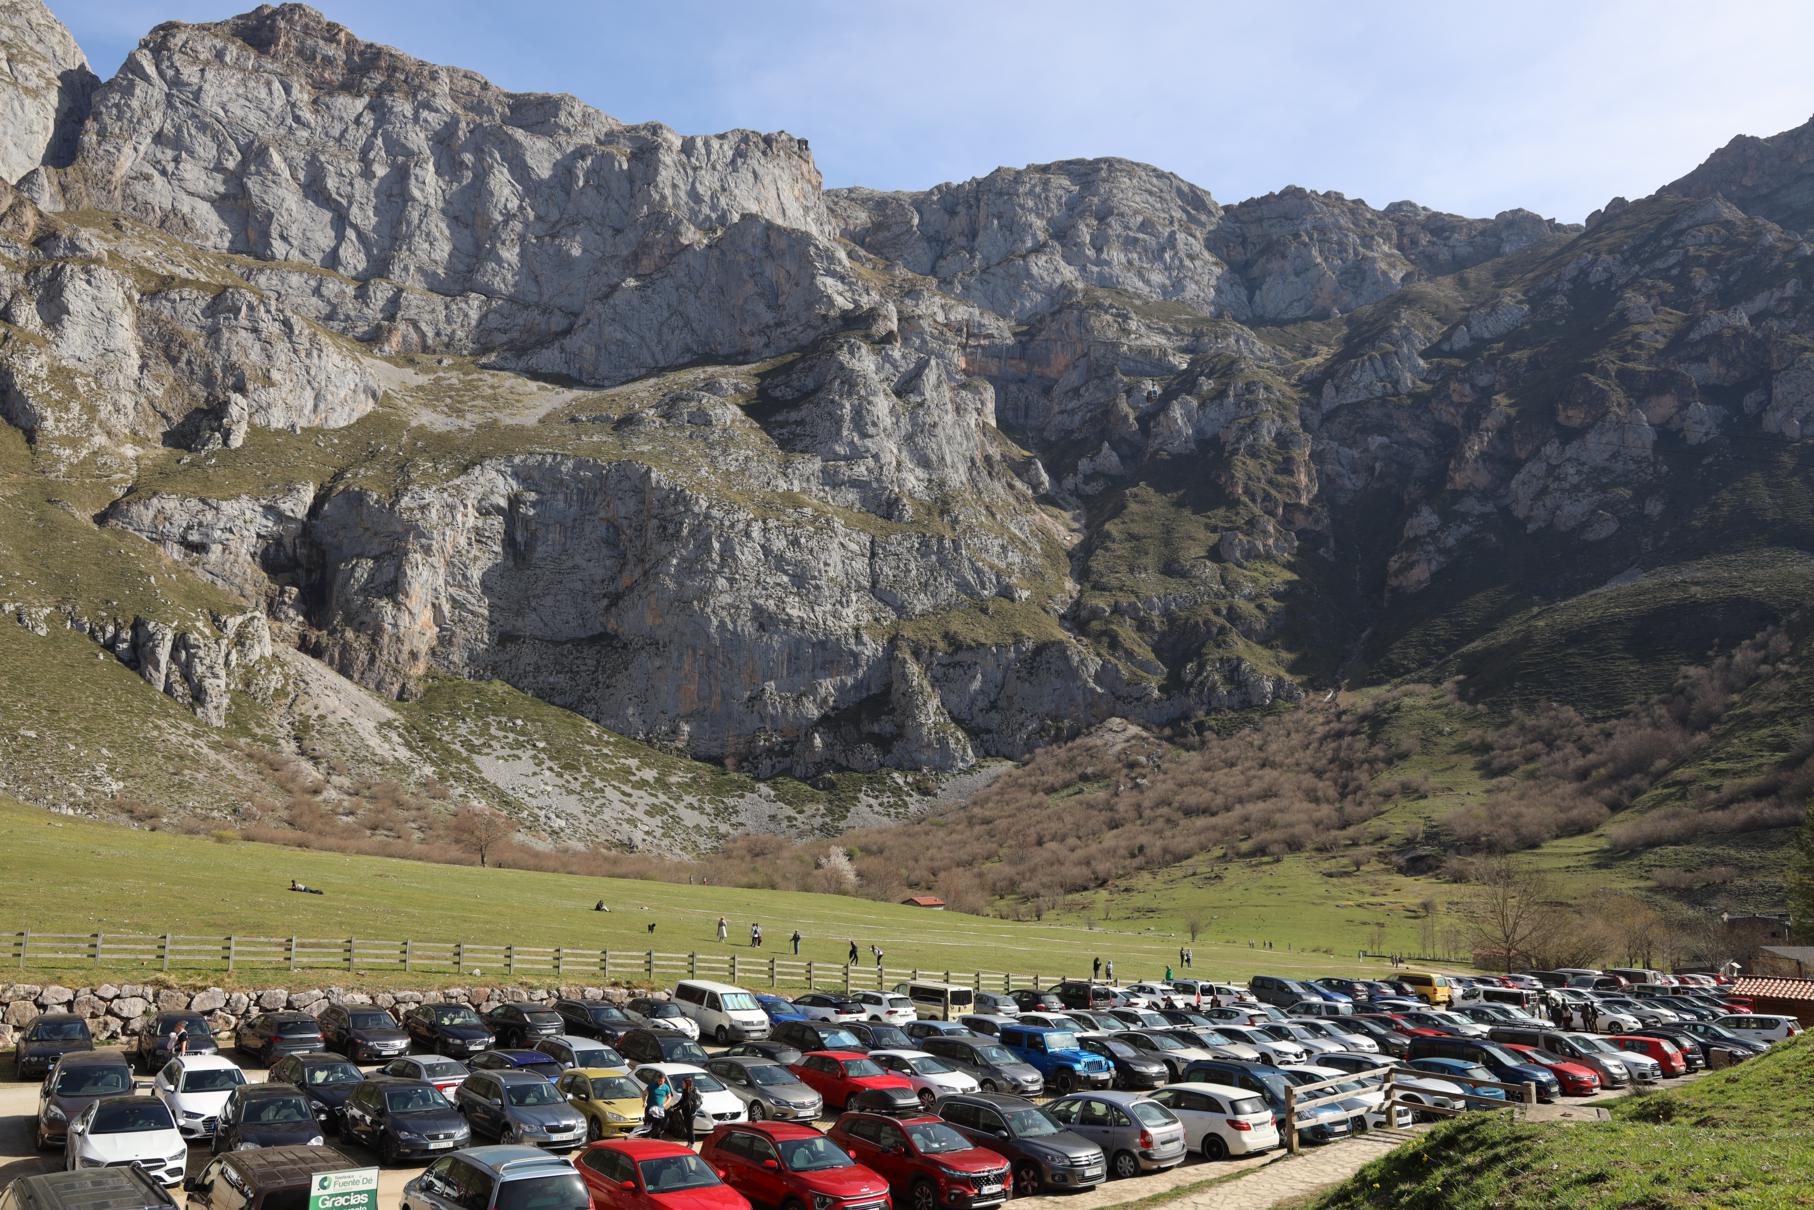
{"x":924,"y":901}
{"x":1775,"y":989}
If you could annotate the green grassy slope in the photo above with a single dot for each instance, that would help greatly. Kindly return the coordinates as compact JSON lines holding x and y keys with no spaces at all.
{"x":1733,"y":1139}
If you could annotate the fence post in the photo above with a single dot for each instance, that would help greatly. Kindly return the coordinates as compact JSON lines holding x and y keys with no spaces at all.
{"x":1291,"y":1120}
{"x":648,"y":966}
{"x":406,"y":954}
{"x":99,"y":941}
{"x":771,"y":972}
{"x":604,"y":965}
{"x":733,"y":968}
{"x":809,"y":975}
{"x":352,"y":950}
{"x":976,"y":982}
{"x":510,"y":960}
{"x":460,"y":956}
{"x":692,"y":964}
{"x":163,"y":951}
{"x":1530,"y":1098}
{"x":560,"y":962}
{"x":24,"y":945}
{"x":232,"y":950}
{"x":290,"y":951}
{"x":847,"y":978}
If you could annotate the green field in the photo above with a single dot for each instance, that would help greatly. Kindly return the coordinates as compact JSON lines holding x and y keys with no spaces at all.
{"x":1737,"y":1138}
{"x":70,"y":875}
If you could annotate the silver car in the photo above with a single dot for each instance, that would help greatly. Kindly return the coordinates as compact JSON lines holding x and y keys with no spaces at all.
{"x":767,"y":1089}
{"x":1137,"y":1133}
{"x":1274,"y":1050}
{"x":519,"y":1107}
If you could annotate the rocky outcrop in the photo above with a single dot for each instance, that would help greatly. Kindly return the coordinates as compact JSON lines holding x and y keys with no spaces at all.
{"x":45,"y":88}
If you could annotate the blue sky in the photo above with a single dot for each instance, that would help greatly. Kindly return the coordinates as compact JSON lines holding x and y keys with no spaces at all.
{"x":1471,"y":108}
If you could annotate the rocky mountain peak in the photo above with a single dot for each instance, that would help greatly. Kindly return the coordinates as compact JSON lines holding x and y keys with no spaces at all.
{"x":1770,"y":177}
{"x":45,"y":87}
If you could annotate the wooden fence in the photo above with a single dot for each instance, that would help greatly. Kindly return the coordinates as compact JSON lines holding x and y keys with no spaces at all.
{"x":1300,"y":1097}
{"x":171,"y":951}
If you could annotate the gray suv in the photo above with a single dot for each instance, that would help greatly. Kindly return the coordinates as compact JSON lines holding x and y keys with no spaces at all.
{"x":519,"y":1107}
{"x":498,"y":1178}
{"x":1137,"y":1133}
{"x":995,"y":1067}
{"x":1045,"y":1156}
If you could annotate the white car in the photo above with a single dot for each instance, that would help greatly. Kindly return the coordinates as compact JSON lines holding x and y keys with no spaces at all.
{"x":1312,"y":1042}
{"x":1333,"y":1032}
{"x":1055,"y":1021}
{"x":930,"y":1075}
{"x":1275,"y":1051}
{"x":1220,"y":1121}
{"x":1244,"y":1014}
{"x":887,"y":1006}
{"x":1760,"y":1028}
{"x":717,"y":1104}
{"x":827,"y":1006}
{"x":1320,"y":1008}
{"x":1156,"y":992}
{"x":115,"y":1131}
{"x":989,"y":1025}
{"x":1369,"y":1097}
{"x":1411,"y":1086}
{"x":193,"y":1088}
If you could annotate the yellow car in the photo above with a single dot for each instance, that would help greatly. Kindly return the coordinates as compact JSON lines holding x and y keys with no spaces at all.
{"x":611,"y":1102}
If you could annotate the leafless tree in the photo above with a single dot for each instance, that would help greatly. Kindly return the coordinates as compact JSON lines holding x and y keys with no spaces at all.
{"x":1510,"y":913}
{"x":479,"y":830}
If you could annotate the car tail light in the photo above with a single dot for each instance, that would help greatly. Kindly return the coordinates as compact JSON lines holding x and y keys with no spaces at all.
{"x":1238,"y":1124}
{"x":1146,"y":1139}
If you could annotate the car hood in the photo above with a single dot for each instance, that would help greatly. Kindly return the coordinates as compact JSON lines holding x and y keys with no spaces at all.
{"x":1437,"y":1087}
{"x":1018,"y":1071}
{"x":204,"y":1103}
{"x":883,"y":1083}
{"x":853,"y":1182}
{"x":712,"y":1197}
{"x":334,"y":1095}
{"x":279,"y":1134}
{"x":52,"y":1050}
{"x":462,"y":1033}
{"x":550,"y":1117}
{"x":73,"y":1105}
{"x":1065,"y":1143}
{"x":973,"y":1159}
{"x":629,"y":1107}
{"x":379,"y":1037}
{"x":135,"y":1145}
{"x":435,"y":1120}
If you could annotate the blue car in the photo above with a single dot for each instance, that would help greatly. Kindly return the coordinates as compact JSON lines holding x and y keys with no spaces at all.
{"x":780,"y":1008}
{"x":1461,"y":1067}
{"x":1502,"y":1064}
{"x":1317,"y":1124}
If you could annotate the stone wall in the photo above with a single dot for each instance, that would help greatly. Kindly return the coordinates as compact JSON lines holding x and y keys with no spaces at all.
{"x":117,"y":1011}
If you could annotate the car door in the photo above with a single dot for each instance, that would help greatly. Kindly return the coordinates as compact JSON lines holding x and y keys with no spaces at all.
{"x":1194,"y":1109}
{"x":438,"y":1188}
{"x":863,"y":1139}
{"x":358,"y":1116}
{"x":481,"y":1097}
{"x":766,"y":1180}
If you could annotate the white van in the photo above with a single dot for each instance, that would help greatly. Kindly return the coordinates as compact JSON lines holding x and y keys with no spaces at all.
{"x":723,"y":1013}
{"x":940,"y":1001}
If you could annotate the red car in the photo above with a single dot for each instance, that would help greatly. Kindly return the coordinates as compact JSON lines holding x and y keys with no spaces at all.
{"x":1398,"y":1024}
{"x":1665,"y":1053}
{"x":1576,"y":1080}
{"x":650,"y":1174}
{"x":838,"y":1075}
{"x":789,"y":1164}
{"x":927,"y":1164}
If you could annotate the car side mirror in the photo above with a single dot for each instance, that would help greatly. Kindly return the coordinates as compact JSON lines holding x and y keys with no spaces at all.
{"x":771,"y":1165}
{"x":627,"y":1186}
{"x":193,"y":1184}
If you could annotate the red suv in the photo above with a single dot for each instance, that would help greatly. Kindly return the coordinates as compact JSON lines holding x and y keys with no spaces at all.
{"x":838,"y":1075}
{"x":787,"y":1163}
{"x":649,"y":1174}
{"x":927,"y":1165}
{"x":1667,"y":1056}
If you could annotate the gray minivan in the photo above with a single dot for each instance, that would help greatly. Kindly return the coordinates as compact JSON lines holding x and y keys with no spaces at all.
{"x":1046,"y":1157}
{"x":1137,"y":1133}
{"x":995,"y":1067}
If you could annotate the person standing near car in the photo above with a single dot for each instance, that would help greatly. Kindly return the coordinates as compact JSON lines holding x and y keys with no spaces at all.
{"x":655,"y":1105}
{"x":688,"y":1108}
{"x":179,"y":1038}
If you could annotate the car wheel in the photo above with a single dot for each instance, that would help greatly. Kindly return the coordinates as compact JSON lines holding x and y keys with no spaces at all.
{"x":758,"y":1111}
{"x":1026,"y":1179}
{"x":988,"y":1085}
{"x":927,"y":1100}
{"x":1213,"y":1147}
{"x":1064,"y":1081}
{"x":923,"y":1196}
{"x":722,"y":1036}
{"x":1124,"y":1165}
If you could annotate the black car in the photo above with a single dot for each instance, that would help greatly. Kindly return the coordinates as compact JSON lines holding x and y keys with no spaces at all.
{"x":1033,"y":1000}
{"x":270,"y":1036}
{"x":594,"y":1019}
{"x":880,"y":1035}
{"x":362,"y":1033}
{"x":647,"y":1046}
{"x":403,"y":1118}
{"x":1390,"y":1041}
{"x":48,"y":1038}
{"x":520,"y":1023}
{"x":784,"y":1053}
{"x":545,"y":1066}
{"x":817,"y":1035}
{"x":151,"y":1049}
{"x":127,"y":1187}
{"x":1133,"y":1068}
{"x":1046,"y":1156}
{"x":267,"y":1115}
{"x":454,"y":1030}
{"x":328,"y":1079}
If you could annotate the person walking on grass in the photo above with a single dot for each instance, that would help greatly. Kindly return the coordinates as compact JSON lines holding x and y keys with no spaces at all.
{"x":878,"y":950}
{"x":724,"y":930}
{"x":755,"y":935}
{"x":1096,"y":967}
{"x":852,"y":960}
{"x":796,"y":940}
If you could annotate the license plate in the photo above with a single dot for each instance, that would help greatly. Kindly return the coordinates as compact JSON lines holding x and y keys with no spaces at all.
{"x":447,"y":1146}
{"x":1090,"y":1174}
{"x":988,"y":1187}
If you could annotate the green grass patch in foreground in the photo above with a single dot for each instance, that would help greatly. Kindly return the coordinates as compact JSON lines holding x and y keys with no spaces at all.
{"x":1735,"y":1139}
{"x":72,"y":875}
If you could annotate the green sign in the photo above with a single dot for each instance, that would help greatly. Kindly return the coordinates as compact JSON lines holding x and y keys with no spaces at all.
{"x":350,"y":1189}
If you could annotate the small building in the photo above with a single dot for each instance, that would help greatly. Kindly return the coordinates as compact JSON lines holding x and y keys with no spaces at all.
{"x":1780,"y":997}
{"x":926,"y":901}
{"x":1784,"y":961}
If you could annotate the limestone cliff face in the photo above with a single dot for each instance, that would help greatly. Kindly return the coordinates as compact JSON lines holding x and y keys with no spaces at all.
{"x":447,"y":380}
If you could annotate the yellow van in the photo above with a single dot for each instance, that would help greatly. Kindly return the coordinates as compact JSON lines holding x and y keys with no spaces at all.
{"x":1431,"y":989}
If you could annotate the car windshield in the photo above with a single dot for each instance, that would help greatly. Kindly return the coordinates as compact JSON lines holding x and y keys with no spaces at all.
{"x":936,"y":1138}
{"x":538,"y":1093}
{"x":377,"y":1020}
{"x":297,"y":1029}
{"x":1116,"y":1047}
{"x":862,"y":1067}
{"x":1165,"y":1042}
{"x":1497,"y":1054}
{"x":995,"y":1054}
{"x":129,"y":1116}
{"x":838,"y":1039}
{"x":276,"y":1111}
{"x":674,"y":1173}
{"x":1589,"y":1042}
{"x":549,"y":1069}
{"x":94,"y":1081}
{"x":212,"y":1079}
{"x":1152,"y":1113}
{"x":456,"y":1014}
{"x":770,"y":1075}
{"x":927,"y":1065}
{"x":606,"y":1012}
{"x":662,"y":1010}
{"x":814,"y":1154}
{"x":442,"y":1069}
{"x":1060,"y":1040}
{"x":739,"y":1002}
{"x":1472,"y":1071}
{"x":704,"y":1083}
{"x":615,"y":1088}
{"x":564,"y":1192}
{"x":414,"y":1100}
{"x":195,"y":1026}
{"x":588,"y":1050}
{"x":57,"y":1031}
{"x":319,"y":1074}
{"x":1030,"y":1123}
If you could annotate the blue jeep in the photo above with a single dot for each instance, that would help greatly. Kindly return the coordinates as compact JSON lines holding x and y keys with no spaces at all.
{"x":1057,"y":1055}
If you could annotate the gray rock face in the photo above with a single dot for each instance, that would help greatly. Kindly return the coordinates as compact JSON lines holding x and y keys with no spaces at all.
{"x":45,"y":87}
